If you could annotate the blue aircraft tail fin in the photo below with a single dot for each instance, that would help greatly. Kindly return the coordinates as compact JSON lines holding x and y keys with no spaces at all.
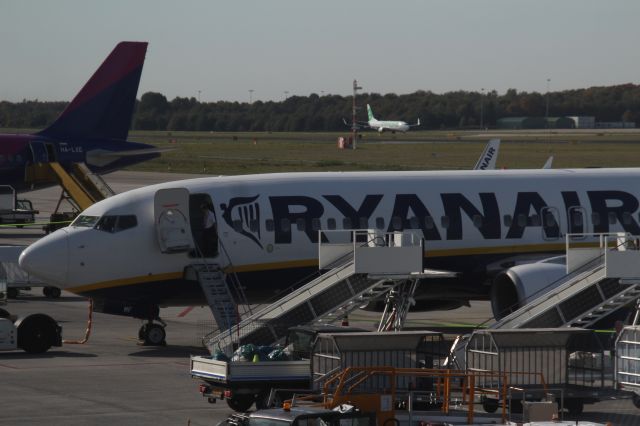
{"x":104,"y":106}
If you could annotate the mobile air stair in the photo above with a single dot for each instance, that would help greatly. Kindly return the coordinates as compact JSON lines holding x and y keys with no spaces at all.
{"x":358,"y":266}
{"x":81,"y":186}
{"x":599,"y":281}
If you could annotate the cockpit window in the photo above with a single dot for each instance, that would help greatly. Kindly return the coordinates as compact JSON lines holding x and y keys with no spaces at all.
{"x":114,"y":224}
{"x":85,"y":221}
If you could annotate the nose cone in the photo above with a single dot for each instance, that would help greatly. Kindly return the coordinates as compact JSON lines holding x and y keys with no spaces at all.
{"x":48,"y":259}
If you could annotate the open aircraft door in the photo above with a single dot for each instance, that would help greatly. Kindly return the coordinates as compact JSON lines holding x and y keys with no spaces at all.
{"x":171,"y":214}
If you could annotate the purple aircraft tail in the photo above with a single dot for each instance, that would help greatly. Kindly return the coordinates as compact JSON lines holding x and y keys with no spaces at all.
{"x":104,"y":106}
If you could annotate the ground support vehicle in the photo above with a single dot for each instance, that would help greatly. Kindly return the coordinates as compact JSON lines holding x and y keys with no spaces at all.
{"x":16,"y":278}
{"x":569,"y":363}
{"x":627,"y":362}
{"x":34,"y":334}
{"x":13,"y":211}
{"x":320,"y":353}
{"x":241,"y":383}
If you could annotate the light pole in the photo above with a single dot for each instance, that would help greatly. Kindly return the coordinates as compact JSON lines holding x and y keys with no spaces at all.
{"x":251,"y":95}
{"x":481,"y":108}
{"x":546,"y":114}
{"x":354,"y":124}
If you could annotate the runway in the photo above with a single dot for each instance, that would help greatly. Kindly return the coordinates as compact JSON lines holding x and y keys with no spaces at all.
{"x":110,"y":380}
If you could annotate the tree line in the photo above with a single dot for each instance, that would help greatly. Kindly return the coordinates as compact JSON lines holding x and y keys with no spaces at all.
{"x":451,"y":110}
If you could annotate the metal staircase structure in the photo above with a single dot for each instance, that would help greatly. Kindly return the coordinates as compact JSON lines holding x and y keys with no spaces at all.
{"x":599,"y":281}
{"x":218,"y":294}
{"x":81,"y":186}
{"x":359,"y":268}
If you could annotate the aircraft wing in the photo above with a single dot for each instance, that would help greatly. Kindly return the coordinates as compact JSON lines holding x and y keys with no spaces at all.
{"x":129,"y":153}
{"x":359,"y":124}
{"x":489,"y":156}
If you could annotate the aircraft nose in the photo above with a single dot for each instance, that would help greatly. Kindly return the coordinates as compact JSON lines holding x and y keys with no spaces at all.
{"x":48,"y":259}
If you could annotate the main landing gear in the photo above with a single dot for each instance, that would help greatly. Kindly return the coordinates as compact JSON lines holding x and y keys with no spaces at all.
{"x":152,"y":334}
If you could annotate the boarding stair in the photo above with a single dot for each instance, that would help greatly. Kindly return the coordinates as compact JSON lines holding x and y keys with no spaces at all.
{"x":599,"y":281}
{"x":81,"y":185}
{"x":218,"y":294}
{"x":357,"y":269}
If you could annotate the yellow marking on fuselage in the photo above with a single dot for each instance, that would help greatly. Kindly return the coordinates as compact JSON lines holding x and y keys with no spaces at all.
{"x":533,"y":248}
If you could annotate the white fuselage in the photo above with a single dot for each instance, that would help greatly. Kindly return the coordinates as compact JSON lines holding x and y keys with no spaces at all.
{"x":391,"y":126}
{"x":269,"y":223}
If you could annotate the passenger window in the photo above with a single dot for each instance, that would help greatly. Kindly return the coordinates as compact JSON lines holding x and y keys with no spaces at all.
{"x":612,"y":218}
{"x":626,"y":218}
{"x":396,"y":223}
{"x":428,"y":222}
{"x":254,"y":226}
{"x":522,"y":221}
{"x":285,"y":225}
{"x":595,"y":219}
{"x":477,"y":221}
{"x":507,"y":220}
{"x":346,"y":223}
{"x":380,"y":222}
{"x":363,"y":223}
{"x":444,"y":221}
{"x":414,"y":223}
{"x":331,"y":223}
{"x":315,"y":224}
{"x":237,"y":225}
{"x":268,"y":224}
{"x":535,"y":220}
{"x":300,"y":224}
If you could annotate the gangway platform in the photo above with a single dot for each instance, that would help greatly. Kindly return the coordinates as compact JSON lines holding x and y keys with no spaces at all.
{"x":358,"y":266}
{"x":600,"y":280}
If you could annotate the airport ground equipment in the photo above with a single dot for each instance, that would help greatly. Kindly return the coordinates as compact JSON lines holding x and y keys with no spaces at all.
{"x":241,"y":383}
{"x":318,"y":354}
{"x":627,"y":361}
{"x":358,"y":267}
{"x":16,"y":278}
{"x":569,"y":363}
{"x":34,"y":334}
{"x":14,"y":211}
{"x":599,"y":281}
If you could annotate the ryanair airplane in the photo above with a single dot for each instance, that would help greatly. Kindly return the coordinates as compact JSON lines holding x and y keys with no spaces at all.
{"x":129,"y":252}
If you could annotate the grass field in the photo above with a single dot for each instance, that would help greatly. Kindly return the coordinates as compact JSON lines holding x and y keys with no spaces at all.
{"x":243,"y":153}
{"x":262,"y":152}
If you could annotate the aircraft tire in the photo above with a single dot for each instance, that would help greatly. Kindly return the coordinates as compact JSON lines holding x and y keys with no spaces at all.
{"x":12,"y":293}
{"x":490,"y":405}
{"x":36,"y":333}
{"x":240,"y":403}
{"x":153,"y":335}
{"x":51,"y":292}
{"x":574,"y":406}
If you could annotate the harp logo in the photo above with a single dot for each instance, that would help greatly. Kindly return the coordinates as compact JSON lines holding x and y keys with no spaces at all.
{"x":243,"y":215}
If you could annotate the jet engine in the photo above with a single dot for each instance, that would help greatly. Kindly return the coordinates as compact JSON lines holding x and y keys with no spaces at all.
{"x":519,"y":285}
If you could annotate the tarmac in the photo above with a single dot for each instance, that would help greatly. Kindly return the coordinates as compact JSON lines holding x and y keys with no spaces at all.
{"x":112,"y":380}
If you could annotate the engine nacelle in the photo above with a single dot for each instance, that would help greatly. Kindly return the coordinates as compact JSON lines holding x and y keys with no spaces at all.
{"x":521,"y":284}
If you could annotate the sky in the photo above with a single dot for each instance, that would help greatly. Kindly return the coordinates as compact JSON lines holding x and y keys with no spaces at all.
{"x":219,"y":50}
